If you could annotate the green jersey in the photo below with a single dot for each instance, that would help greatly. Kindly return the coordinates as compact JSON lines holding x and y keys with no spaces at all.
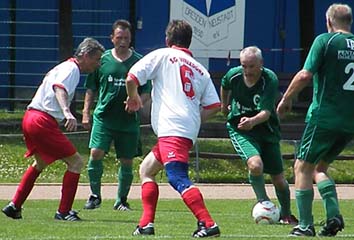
{"x":109,"y":81}
{"x":249,"y":101}
{"x":331,"y":60}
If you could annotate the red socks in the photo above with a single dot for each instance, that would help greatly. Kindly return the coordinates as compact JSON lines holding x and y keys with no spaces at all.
{"x":149,"y":197}
{"x":194,"y":200}
{"x":68,"y":191}
{"x":69,"y":187}
{"x":25,"y":186}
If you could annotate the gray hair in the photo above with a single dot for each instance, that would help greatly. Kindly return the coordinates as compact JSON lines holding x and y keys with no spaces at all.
{"x":253,"y":50}
{"x":89,"y":46}
{"x":340,"y":15}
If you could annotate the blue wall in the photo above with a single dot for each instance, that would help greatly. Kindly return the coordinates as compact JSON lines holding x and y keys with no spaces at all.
{"x":264,"y":21}
{"x":155,"y":18}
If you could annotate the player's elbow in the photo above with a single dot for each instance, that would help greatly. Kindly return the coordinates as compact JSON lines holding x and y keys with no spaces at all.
{"x":305,"y":76}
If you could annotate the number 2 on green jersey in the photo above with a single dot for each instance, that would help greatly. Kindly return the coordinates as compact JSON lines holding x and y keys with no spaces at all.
{"x":348,"y":85}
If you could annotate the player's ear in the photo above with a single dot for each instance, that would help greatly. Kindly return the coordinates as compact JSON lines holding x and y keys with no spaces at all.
{"x":167,"y":42}
{"x":329,"y":25}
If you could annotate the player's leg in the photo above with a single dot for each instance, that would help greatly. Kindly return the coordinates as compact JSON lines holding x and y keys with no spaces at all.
{"x":177,"y":173}
{"x":126,"y":146}
{"x":326,"y":185}
{"x":125,"y":180}
{"x":95,"y":172}
{"x":304,"y":195}
{"x":13,"y":209}
{"x":282,"y":192}
{"x":256,"y":177}
{"x":327,"y":189}
{"x":45,"y":141}
{"x":313,"y":146}
{"x":69,"y":187}
{"x":100,"y":141}
{"x":174,"y":152}
{"x":273,"y":165}
{"x":248,"y":150}
{"x":149,"y":193}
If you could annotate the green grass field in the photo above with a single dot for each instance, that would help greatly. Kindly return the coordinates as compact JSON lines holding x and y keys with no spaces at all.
{"x":13,"y":163}
{"x":173,"y":221}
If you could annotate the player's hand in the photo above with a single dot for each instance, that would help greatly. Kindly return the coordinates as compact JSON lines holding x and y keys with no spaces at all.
{"x":71,"y":123}
{"x":284,"y":106}
{"x":86,"y":121}
{"x":133,"y":104}
{"x":245,"y":124}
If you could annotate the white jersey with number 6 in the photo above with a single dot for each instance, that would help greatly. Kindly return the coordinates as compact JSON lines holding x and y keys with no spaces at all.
{"x":181,"y":86}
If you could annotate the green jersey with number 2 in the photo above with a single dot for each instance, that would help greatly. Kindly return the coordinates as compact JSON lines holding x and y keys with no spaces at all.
{"x":331,"y":60}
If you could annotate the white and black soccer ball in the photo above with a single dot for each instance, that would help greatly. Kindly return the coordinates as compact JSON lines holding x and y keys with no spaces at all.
{"x":265,"y":212}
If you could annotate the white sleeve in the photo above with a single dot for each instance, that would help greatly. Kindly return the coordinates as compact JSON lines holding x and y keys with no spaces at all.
{"x":146,"y":68}
{"x":209,"y":96}
{"x":66,"y":75}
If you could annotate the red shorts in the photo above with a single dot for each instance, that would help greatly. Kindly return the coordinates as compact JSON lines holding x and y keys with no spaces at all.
{"x":43,"y":137}
{"x":169,"y":149}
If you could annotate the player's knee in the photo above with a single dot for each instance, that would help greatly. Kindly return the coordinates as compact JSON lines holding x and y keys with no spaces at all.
{"x":177,"y":174}
{"x":97,"y":154}
{"x":75,"y":163}
{"x":255,"y":165}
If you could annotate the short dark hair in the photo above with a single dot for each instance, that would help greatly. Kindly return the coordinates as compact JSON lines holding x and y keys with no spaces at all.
{"x":179,"y":33}
{"x":121,"y":23}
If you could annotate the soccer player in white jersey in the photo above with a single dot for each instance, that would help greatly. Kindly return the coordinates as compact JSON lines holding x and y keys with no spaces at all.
{"x":43,"y":138}
{"x":183,"y":95}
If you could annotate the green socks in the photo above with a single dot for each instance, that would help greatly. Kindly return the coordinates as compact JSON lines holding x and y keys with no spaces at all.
{"x":257,"y":183}
{"x":304,"y":199}
{"x":125,"y":179}
{"x":284,"y":200}
{"x":328,"y":193}
{"x":95,"y":171}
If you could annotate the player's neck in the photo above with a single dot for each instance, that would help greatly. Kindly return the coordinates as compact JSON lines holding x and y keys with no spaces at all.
{"x":120,"y":55}
{"x":251,"y":81}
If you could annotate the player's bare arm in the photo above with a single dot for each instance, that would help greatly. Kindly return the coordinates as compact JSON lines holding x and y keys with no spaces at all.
{"x":208,"y":113}
{"x":88,"y":102}
{"x":62,"y":97}
{"x":298,"y":83}
{"x":133,"y":102}
{"x":225,"y":100}
{"x":247,"y":123}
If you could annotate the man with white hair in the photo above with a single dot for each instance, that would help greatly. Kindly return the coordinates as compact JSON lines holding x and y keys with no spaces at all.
{"x":248,"y":95}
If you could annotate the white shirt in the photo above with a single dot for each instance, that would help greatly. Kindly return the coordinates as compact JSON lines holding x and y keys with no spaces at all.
{"x":65,"y":75}
{"x":181,"y":85}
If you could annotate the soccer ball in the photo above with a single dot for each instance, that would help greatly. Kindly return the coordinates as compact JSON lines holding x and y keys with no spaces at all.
{"x":265,"y":212}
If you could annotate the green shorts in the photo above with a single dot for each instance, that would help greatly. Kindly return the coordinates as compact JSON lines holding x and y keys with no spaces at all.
{"x":247,"y":146}
{"x":321,"y":144}
{"x":126,"y":144}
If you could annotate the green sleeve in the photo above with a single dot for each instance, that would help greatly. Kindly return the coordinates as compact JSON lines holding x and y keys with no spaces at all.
{"x":315,"y":56}
{"x":226,"y":79}
{"x":270,"y":94}
{"x":91,"y":81}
